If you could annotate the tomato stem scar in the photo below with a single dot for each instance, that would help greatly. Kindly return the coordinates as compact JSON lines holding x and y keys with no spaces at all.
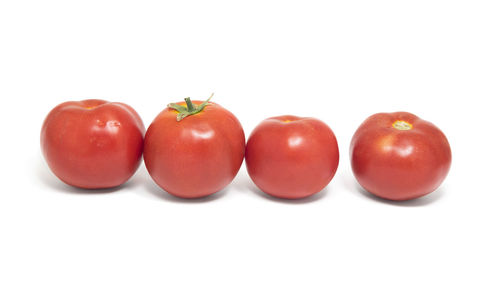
{"x":402,"y":125}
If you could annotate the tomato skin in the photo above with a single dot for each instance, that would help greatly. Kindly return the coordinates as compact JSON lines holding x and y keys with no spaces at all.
{"x":292,"y":157}
{"x":92,"y":144}
{"x":399,"y":164}
{"x":197,"y":156}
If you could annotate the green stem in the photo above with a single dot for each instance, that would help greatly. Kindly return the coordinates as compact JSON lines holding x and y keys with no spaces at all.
{"x":189,"y":109}
{"x":189,"y":104}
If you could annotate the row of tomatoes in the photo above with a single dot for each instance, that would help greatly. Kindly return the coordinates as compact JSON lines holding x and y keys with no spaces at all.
{"x":193,"y":149}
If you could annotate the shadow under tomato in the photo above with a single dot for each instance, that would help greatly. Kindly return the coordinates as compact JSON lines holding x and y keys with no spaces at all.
{"x":313,"y":198}
{"x":47,"y":178}
{"x":352,"y":185}
{"x":159,"y":193}
{"x":422,"y":201}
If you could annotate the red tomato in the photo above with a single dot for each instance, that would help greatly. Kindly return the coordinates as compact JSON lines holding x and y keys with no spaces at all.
{"x":92,"y":143}
{"x":292,"y":157}
{"x":398,"y":156}
{"x":193,"y":149}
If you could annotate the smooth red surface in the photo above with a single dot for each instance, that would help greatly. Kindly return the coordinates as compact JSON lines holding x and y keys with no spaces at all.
{"x":197,"y":156}
{"x":399,"y":164}
{"x":292,"y":157}
{"x":92,"y":143}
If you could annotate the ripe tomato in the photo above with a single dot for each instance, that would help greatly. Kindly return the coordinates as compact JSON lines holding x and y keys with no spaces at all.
{"x":292,"y":157}
{"x":193,"y":149}
{"x":92,"y":143}
{"x":398,"y":156}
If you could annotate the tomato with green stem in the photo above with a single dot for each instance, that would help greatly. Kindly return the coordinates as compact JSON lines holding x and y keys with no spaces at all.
{"x":194,"y":148}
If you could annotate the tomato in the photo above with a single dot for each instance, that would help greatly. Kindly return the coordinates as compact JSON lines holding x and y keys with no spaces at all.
{"x":398,"y":156}
{"x":292,"y":157}
{"x":193,"y":149}
{"x":93,"y":143}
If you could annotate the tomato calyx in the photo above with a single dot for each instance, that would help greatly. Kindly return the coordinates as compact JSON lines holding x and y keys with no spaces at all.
{"x":189,"y":109}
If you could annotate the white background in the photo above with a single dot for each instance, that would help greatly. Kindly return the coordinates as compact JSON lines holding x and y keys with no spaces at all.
{"x":339,"y":61}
